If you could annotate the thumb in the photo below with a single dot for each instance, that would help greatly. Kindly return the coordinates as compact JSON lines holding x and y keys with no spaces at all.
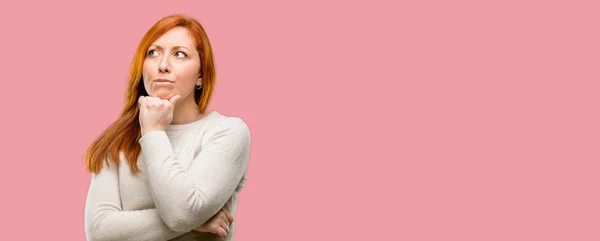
{"x":174,"y":99}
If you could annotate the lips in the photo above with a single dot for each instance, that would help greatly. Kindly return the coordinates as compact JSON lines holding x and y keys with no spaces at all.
{"x":163,"y":81}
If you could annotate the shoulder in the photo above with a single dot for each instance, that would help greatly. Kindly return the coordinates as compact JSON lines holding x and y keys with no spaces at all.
{"x":233,"y":127}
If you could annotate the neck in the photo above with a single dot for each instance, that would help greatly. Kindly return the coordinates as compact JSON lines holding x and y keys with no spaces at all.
{"x":186,"y":111}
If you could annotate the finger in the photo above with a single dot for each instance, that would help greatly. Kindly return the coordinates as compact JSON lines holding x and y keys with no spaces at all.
{"x":142,"y":102}
{"x":154,"y":101}
{"x":146,"y":101}
{"x":174,"y":99}
{"x":225,"y":225}
{"x":221,"y":232}
{"x":228,"y":215}
{"x":166,"y":103}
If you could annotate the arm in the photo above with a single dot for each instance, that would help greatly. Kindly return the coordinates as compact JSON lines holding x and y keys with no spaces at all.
{"x":105,"y":220}
{"x":187,"y":198}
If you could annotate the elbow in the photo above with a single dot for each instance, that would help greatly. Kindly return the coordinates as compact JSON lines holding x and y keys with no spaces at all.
{"x":95,"y":234}
{"x":92,"y":236}
{"x":96,"y":228}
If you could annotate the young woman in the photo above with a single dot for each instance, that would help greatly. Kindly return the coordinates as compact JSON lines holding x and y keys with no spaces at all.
{"x":168,"y":169}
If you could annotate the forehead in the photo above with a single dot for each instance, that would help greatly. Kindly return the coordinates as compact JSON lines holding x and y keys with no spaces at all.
{"x":178,"y":36}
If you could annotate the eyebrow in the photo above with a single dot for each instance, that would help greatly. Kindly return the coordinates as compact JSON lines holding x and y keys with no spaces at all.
{"x":175,"y":47}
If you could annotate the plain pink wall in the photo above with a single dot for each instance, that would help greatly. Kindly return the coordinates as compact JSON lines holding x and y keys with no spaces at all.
{"x":430,"y":120}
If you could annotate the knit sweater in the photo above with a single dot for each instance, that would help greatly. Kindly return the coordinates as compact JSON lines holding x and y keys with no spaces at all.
{"x":188,"y":173}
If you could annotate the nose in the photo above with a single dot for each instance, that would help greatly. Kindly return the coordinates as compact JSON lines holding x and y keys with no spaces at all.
{"x":163,"y":66}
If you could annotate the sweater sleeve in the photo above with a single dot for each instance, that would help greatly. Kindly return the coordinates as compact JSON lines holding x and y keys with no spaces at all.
{"x":187,"y":198}
{"x":105,"y":219}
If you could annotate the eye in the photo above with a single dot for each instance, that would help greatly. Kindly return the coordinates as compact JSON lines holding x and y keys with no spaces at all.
{"x":152,"y":52}
{"x":181,"y":54}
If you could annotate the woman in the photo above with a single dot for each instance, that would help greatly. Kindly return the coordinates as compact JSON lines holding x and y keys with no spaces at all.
{"x":168,"y":169}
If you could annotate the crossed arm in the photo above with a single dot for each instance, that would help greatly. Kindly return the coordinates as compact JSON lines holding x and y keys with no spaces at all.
{"x":184,"y":199}
{"x":105,"y":219}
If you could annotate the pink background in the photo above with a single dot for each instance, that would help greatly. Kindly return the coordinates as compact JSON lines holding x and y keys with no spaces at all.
{"x":371,"y":120}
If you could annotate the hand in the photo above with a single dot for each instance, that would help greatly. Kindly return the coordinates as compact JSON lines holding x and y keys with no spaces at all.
{"x":217,"y":224}
{"x":155,"y":113}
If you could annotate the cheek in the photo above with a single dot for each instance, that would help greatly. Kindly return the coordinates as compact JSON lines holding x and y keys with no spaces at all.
{"x":189,"y":74}
{"x":145,"y":77}
{"x":145,"y":69}
{"x":146,"y":74}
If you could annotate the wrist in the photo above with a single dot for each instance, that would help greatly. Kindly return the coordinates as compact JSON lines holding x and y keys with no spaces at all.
{"x":148,"y":130}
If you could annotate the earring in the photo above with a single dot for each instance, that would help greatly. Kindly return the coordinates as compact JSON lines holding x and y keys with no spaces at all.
{"x":198,"y":87}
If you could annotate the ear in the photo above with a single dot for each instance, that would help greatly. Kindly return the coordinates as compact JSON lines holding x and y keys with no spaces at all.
{"x":199,"y":82}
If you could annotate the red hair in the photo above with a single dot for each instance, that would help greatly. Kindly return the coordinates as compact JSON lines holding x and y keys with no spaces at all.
{"x":124,"y":134}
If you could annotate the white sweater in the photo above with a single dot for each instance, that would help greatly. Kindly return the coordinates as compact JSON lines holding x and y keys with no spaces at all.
{"x":188,"y":173}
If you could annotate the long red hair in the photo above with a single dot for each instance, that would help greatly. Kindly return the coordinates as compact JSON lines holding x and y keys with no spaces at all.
{"x":124,"y":134}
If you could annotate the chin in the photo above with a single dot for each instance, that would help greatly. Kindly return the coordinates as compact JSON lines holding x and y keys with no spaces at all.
{"x":165,"y":95}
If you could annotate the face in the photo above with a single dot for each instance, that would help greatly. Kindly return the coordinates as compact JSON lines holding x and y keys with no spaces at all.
{"x":172,"y":66}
